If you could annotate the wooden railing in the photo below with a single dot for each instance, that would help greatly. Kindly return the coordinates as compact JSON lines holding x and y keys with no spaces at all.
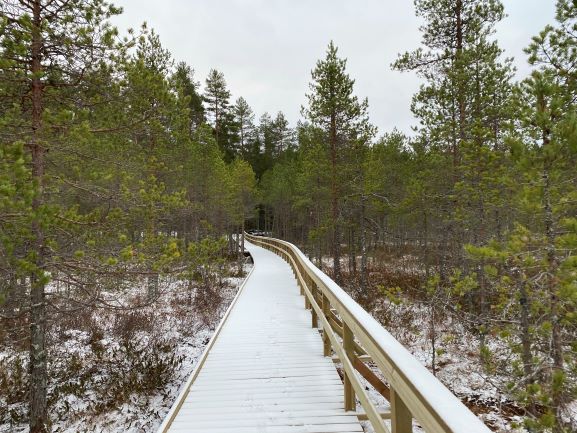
{"x":356,"y":337}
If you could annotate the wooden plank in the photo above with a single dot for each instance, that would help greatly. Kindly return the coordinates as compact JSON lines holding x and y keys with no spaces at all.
{"x":269,"y":421}
{"x":260,"y":384}
{"x":283,"y":414}
{"x":239,"y":411}
{"x":180,"y":399}
{"x":266,"y":396}
{"x":326,"y":310}
{"x":372,"y":378}
{"x":266,"y":371}
{"x":327,"y":428}
{"x":260,"y":403}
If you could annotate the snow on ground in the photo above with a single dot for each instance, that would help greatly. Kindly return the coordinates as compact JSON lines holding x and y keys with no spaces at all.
{"x":175,"y":327}
{"x":457,"y":364}
{"x":444,"y":402}
{"x":457,"y":361}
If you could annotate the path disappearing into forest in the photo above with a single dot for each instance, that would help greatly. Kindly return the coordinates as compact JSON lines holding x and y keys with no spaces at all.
{"x":271,"y":364}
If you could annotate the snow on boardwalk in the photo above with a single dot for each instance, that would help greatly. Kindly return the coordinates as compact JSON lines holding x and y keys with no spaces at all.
{"x":266,"y":371}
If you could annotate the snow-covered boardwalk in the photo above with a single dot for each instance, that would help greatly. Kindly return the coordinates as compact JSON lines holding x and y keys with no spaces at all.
{"x":265,"y":371}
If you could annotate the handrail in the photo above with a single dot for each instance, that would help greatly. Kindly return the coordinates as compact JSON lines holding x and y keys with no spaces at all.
{"x":414,"y":391}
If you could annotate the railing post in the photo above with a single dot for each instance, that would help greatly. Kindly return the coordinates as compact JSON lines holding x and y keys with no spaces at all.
{"x":348,"y":345}
{"x":314,"y":317}
{"x":401,"y":418}
{"x":308,"y":305}
{"x":326,"y":340}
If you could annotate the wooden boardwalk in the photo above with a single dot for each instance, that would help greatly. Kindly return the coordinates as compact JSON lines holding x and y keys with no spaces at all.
{"x":265,"y":371}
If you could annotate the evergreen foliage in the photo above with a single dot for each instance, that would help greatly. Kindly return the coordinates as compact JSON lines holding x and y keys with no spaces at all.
{"x":117,"y":172}
{"x":108,"y":173}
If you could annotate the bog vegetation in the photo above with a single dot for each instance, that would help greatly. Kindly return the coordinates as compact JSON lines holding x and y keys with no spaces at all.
{"x":120,"y":174}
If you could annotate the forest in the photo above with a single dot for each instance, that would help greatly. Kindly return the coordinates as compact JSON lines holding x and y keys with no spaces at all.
{"x":124,"y":182}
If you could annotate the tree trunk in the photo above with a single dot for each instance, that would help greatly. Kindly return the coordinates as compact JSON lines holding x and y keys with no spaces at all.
{"x":38,"y":362}
{"x":433,"y":337}
{"x":242,"y":236}
{"x":462,"y":90}
{"x":152,"y":286}
{"x":335,"y":203}
{"x":240,"y":248}
{"x":426,"y":246}
{"x":363,"y":279}
{"x":526,"y":355}
{"x":352,"y":253}
{"x":552,"y":266}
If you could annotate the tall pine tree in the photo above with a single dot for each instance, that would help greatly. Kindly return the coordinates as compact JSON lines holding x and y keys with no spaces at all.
{"x":334,"y":109}
{"x":216,"y":96}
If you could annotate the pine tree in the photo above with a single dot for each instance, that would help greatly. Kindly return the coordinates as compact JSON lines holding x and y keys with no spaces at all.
{"x":464,"y":112}
{"x":462,"y":71}
{"x":333,"y":108}
{"x":266,"y":136}
{"x":87,"y":153}
{"x":183,"y":81}
{"x":216,"y":96}
{"x":282,"y":135}
{"x":244,"y":121}
{"x":548,"y":155}
{"x":243,"y":191}
{"x":47,"y":48}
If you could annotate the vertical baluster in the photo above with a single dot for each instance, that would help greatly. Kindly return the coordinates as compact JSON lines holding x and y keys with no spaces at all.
{"x":348,"y":344}
{"x":307,"y":301}
{"x":401,"y":418}
{"x":326,"y":340}
{"x":313,"y":290}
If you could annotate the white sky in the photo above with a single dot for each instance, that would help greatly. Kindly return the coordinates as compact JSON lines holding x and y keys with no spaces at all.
{"x":267,"y":48}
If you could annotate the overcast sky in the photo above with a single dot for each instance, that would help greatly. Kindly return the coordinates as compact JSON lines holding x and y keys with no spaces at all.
{"x":267,"y":48}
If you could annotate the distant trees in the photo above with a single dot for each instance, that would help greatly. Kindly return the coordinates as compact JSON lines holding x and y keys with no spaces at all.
{"x":216,"y":96}
{"x":245,"y":128}
{"x":183,"y":80}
